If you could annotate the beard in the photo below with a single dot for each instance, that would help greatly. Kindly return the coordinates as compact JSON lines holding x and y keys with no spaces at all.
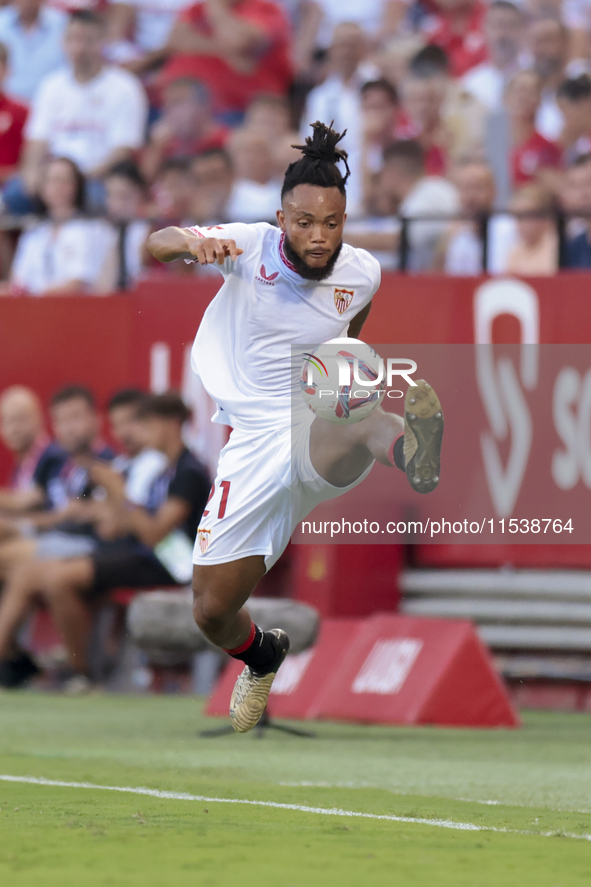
{"x":306,"y":271}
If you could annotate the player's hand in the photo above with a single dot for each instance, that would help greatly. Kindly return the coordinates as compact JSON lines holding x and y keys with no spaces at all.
{"x":211,"y":250}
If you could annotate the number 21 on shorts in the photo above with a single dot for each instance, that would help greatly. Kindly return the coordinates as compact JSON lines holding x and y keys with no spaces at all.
{"x":225,"y":485}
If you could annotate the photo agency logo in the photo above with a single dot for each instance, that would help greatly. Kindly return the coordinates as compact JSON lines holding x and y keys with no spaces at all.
{"x":357,"y":375}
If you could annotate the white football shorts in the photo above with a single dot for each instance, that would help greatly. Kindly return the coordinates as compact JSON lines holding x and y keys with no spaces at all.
{"x":265,"y":485}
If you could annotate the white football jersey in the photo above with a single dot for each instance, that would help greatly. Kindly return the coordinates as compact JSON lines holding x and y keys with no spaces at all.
{"x":243,"y":348}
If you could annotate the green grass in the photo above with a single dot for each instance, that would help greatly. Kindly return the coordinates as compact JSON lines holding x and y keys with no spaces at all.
{"x":539,"y":778}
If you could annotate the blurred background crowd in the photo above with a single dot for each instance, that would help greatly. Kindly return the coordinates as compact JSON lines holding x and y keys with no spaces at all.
{"x":117,"y":118}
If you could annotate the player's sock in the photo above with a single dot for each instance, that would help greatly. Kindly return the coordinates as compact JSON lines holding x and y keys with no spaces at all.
{"x":260,"y":651}
{"x":396,"y":452}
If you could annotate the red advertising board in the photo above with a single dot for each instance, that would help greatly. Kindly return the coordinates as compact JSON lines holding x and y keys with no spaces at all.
{"x":402,"y":670}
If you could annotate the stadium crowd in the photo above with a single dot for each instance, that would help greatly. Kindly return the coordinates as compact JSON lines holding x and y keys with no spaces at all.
{"x":117,"y":118}
{"x":78,"y":519}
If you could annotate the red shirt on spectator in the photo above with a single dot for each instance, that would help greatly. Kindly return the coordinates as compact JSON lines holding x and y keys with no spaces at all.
{"x":532,"y":155}
{"x":13,"y":116}
{"x":232,"y":90}
{"x":181,"y":148}
{"x":435,"y":155}
{"x":464,"y":49}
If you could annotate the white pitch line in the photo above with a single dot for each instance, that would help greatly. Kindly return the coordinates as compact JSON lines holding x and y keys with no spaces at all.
{"x":301,"y":808}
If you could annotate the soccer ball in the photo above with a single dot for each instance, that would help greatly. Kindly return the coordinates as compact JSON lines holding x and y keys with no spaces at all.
{"x":343,"y":381}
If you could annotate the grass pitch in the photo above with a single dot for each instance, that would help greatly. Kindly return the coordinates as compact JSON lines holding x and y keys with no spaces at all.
{"x":529,"y":790}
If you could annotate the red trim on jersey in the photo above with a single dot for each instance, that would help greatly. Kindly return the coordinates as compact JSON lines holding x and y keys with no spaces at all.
{"x":284,"y":258}
{"x":247,"y":643}
{"x":195,"y":231}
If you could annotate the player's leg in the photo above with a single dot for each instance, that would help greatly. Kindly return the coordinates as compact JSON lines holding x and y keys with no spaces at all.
{"x":219,"y":593}
{"x":341,"y":453}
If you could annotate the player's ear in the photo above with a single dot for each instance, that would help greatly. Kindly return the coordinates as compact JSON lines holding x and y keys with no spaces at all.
{"x":281,"y":219}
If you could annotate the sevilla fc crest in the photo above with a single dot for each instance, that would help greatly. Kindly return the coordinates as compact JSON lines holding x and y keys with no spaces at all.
{"x":203,"y":537}
{"x":342,"y":299}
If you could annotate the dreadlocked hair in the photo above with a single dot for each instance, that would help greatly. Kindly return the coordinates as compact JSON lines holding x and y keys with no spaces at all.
{"x":318,"y":166}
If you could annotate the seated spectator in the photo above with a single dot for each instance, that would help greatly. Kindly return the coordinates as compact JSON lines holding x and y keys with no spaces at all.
{"x":461,"y":250}
{"x":127,"y":229}
{"x":577,"y":198}
{"x":535,"y":250}
{"x":503,"y":32}
{"x":33,"y":33}
{"x":271,"y":115}
{"x":237,"y":48}
{"x":139,"y":31}
{"x":91,"y":113}
{"x":13,"y":116}
{"x":378,"y":230}
{"x":154,"y":546}
{"x":56,"y":514}
{"x":139,"y":463}
{"x":379,"y":106}
{"x":405,"y":181}
{"x":548,"y":40}
{"x":420,"y":118}
{"x":23,"y":433}
{"x":213,"y":177}
{"x":574,"y":101}
{"x":173,"y":192}
{"x":458,"y":29}
{"x":380,"y":18}
{"x":256,"y":192}
{"x":394,"y":58}
{"x":59,"y":254}
{"x":185,"y":128}
{"x":533,"y":158}
{"x":338,"y":98}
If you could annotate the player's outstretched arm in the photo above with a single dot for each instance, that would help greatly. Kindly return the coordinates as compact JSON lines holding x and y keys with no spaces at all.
{"x":169,"y":244}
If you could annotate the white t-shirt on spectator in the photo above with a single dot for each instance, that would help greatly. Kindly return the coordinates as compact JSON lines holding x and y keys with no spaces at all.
{"x":431,"y":196}
{"x":50,"y":255}
{"x":87,"y":121}
{"x":252,"y":202}
{"x":368,"y":14}
{"x":464,"y":251}
{"x":486,"y":83}
{"x":549,"y":118}
{"x":154,"y":20}
{"x":141,"y":472}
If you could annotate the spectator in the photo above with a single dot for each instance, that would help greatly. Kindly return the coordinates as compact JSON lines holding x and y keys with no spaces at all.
{"x":504,"y":31}
{"x":213,"y":178}
{"x":574,"y":101}
{"x":126,"y":204}
{"x":271,"y":115}
{"x":59,"y":508}
{"x":237,"y":48}
{"x":59,"y":254}
{"x":185,"y":128}
{"x":394,"y":59}
{"x":458,"y":29}
{"x":461,"y":250}
{"x":173,"y":192}
{"x":33,"y":34}
{"x":405,"y":182}
{"x":155,"y":546}
{"x":577,"y":198}
{"x":139,"y":31}
{"x":139,"y":464}
{"x":535,"y":251}
{"x":92,"y":113}
{"x":338,"y":98}
{"x":533,"y":157}
{"x":378,"y":229}
{"x":256,"y":192}
{"x":549,"y":40}
{"x":379,"y":107}
{"x":421,"y":119}
{"x":23,"y":433}
{"x":13,"y":116}
{"x":381,"y":19}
